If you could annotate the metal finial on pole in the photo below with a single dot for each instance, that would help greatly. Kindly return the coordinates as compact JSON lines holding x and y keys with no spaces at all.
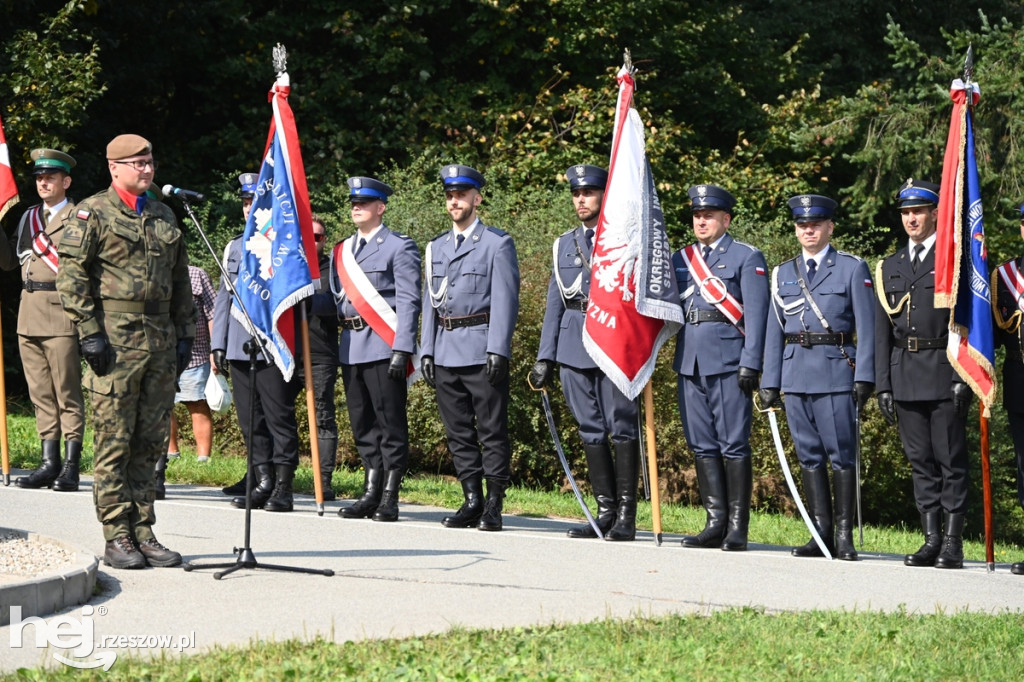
{"x":627,"y":61}
{"x":280,"y":59}
{"x":969,"y":65}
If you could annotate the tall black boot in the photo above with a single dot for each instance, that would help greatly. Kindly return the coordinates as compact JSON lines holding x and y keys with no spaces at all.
{"x":819,"y":506}
{"x":931,"y":523}
{"x":490,"y":519}
{"x":952,"y":554}
{"x":602,"y":480}
{"x":47,"y":473}
{"x":626,"y":470}
{"x":281,"y":499}
{"x":846,"y":504}
{"x":67,"y":482}
{"x":262,"y":489}
{"x":711,"y":483}
{"x":469,"y":513}
{"x":387,"y":510}
{"x":365,"y":506}
{"x":159,"y":489}
{"x":739,"y":480}
{"x":328,"y":454}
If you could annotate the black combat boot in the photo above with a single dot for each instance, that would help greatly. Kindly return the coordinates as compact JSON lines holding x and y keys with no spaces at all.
{"x":931,"y":523}
{"x":235,"y":488}
{"x":711,"y":484}
{"x":67,"y":482}
{"x":328,"y":453}
{"x":47,"y":473}
{"x":469,"y":513}
{"x":387,"y":510}
{"x":159,"y":488}
{"x":739,"y":480}
{"x":819,"y":506}
{"x":846,"y":504}
{"x":365,"y":506}
{"x":281,"y":500}
{"x":263,"y":488}
{"x":952,"y":554}
{"x":602,"y":480}
{"x":626,"y":470}
{"x":490,"y":519}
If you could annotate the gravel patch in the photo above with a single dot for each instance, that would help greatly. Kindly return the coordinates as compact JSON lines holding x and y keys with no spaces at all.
{"x":21,"y":556}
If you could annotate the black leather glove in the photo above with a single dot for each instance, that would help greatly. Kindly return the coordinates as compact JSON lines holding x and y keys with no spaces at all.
{"x":427,"y":368}
{"x":497,"y":368}
{"x":220,"y":361}
{"x":962,"y":397}
{"x":183,"y":353}
{"x":887,"y":407}
{"x":747,"y":379}
{"x":98,"y":353}
{"x":769,"y":398}
{"x":862,"y":390}
{"x":399,"y":365}
{"x":540,"y":375}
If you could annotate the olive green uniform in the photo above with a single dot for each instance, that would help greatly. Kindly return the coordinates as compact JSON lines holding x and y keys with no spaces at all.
{"x":126,"y":275}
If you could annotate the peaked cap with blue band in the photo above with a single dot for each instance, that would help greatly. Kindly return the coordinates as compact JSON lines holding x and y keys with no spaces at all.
{"x":809,"y":208}
{"x":917,"y":193}
{"x":455,"y":176}
{"x":362,"y":188}
{"x":711,"y":197}
{"x":583,"y":176}
{"x":248,"y":182}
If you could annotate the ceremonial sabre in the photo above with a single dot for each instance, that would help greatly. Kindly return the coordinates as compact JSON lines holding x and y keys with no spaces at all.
{"x":860,"y":518}
{"x":792,"y":484}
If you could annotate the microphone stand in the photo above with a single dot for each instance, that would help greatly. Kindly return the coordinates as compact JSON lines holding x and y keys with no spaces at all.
{"x":245,"y":557}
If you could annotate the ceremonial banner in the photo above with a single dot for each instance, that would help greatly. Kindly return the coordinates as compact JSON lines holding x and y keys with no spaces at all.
{"x":279,"y":262}
{"x":8,"y":187}
{"x":634,"y":301}
{"x":961,"y":267}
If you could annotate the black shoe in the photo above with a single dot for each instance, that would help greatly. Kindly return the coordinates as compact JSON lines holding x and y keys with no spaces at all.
{"x":262,"y":490}
{"x":490,"y":519}
{"x":235,"y":488}
{"x":1017,"y":568}
{"x":67,"y":482}
{"x":157,"y":555}
{"x":952,"y":554}
{"x":365,"y":506}
{"x":472,"y":508}
{"x":47,"y":473}
{"x":387,"y":510}
{"x":931,"y":523}
{"x":122,"y":553}
{"x":602,"y":480}
{"x":282,"y":500}
{"x":711,"y":484}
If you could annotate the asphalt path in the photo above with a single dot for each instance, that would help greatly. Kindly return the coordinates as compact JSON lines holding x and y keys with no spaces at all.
{"x":416,"y":577}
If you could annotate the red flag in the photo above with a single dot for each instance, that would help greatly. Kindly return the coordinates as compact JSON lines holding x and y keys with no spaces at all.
{"x":634,"y":301}
{"x":8,"y":187}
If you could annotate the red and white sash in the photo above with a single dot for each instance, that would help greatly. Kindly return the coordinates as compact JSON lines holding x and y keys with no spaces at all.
{"x":41,"y":244}
{"x":1014,"y":280}
{"x":712,"y":289}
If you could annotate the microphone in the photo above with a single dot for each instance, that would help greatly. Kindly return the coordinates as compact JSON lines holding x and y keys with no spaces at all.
{"x":183,"y":194}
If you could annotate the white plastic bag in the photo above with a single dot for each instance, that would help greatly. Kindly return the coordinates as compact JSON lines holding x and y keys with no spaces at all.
{"x":218,"y":394}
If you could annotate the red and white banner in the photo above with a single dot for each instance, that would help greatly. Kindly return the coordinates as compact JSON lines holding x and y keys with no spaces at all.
{"x":8,"y":187}
{"x":634,"y":300}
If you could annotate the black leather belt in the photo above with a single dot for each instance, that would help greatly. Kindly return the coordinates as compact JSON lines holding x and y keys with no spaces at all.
{"x":807,"y":339}
{"x":579,"y":304}
{"x":698,"y":316}
{"x":914,"y":343}
{"x":30,"y":286}
{"x":143,"y":307}
{"x":353,"y":323}
{"x":450,"y":323}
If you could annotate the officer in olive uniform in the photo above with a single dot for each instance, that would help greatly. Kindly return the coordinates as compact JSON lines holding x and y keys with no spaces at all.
{"x":470,"y":305}
{"x":917,"y":387}
{"x":379,"y":308}
{"x":273,"y":435}
{"x":723,"y":284}
{"x":47,"y":340}
{"x":1008,"y":308}
{"x":124,"y":281}
{"x":822,"y":302}
{"x":607,"y":419}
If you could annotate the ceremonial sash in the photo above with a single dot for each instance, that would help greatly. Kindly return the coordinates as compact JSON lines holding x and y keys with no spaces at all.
{"x":1012,"y":278}
{"x":41,"y":244}
{"x":712,"y":289}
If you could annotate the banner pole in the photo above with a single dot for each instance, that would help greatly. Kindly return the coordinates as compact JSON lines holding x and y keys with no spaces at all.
{"x":3,"y":418}
{"x":314,"y":443}
{"x":986,"y":487}
{"x":652,"y":462}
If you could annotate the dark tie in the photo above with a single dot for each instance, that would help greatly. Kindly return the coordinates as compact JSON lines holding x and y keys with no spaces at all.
{"x":362,"y":243}
{"x":589,"y":234}
{"x":812,"y":268}
{"x":918,"y":250}
{"x":706,"y":252}
{"x":459,"y":238}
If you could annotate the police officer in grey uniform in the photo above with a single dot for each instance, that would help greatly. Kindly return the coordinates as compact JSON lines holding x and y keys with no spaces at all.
{"x":719,"y":351}
{"x":470,"y":305}
{"x":822,"y":302}
{"x":607,"y":419}
{"x":273,"y":433}
{"x":918,"y":389}
{"x":384,"y":272}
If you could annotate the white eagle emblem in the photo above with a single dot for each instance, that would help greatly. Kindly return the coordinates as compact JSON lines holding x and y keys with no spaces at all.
{"x":619,"y":245}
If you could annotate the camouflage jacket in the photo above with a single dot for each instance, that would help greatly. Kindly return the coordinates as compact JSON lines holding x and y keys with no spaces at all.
{"x":126,"y":274}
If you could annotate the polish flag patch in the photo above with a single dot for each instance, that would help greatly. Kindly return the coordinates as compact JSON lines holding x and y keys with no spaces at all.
{"x":83,"y":214}
{"x":869,"y":284}
{"x":759,"y":270}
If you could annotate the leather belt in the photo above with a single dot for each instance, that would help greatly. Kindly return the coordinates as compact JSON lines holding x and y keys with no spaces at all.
{"x":579,"y":304}
{"x":450,"y":323}
{"x":915,"y":343}
{"x":353,"y":323}
{"x":137,"y":307}
{"x":31,"y":286}
{"x":808,"y":339}
{"x":698,"y":316}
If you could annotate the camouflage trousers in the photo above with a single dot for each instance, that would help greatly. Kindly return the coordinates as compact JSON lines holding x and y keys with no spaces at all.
{"x":131,"y":422}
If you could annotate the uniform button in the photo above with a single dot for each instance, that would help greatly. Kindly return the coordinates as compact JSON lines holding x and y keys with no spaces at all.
{"x":912,"y":287}
{"x":913,"y":307}
{"x":913,"y":329}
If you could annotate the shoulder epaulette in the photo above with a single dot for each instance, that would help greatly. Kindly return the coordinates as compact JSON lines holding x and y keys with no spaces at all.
{"x":849,"y":255}
{"x":500,"y":233}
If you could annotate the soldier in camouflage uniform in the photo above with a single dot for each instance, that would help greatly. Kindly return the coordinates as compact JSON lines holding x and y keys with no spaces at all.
{"x":124,"y":281}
